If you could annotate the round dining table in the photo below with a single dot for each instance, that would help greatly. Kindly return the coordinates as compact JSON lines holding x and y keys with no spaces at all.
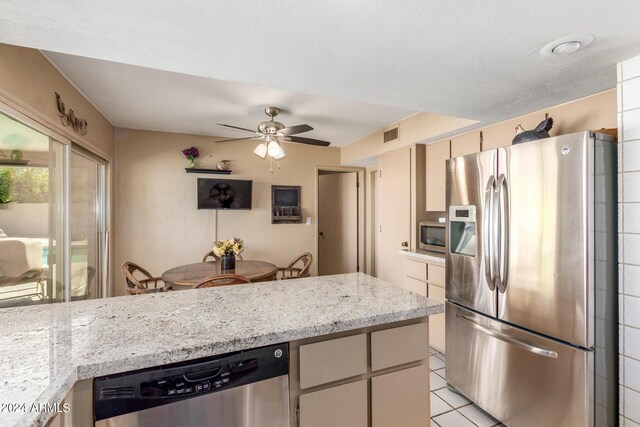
{"x":187,"y":276}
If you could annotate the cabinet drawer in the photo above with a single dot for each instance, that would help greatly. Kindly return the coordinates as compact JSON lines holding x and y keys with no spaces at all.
{"x":436,"y":275}
{"x":417,"y":286}
{"x":436,"y":293}
{"x":396,"y":346}
{"x":437,"y":321}
{"x":342,"y":406}
{"x":401,"y":398}
{"x":333,"y":360}
{"x":415,"y":269}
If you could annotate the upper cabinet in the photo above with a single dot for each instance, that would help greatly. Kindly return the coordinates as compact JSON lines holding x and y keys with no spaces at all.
{"x":465,"y":144}
{"x":437,"y":154}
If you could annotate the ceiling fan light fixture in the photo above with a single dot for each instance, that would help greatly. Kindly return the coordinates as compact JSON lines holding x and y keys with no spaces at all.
{"x":274,"y":149}
{"x":261,"y":150}
{"x":280,"y":156}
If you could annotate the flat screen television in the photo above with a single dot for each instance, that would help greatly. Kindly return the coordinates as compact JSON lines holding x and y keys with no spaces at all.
{"x":224,"y":193}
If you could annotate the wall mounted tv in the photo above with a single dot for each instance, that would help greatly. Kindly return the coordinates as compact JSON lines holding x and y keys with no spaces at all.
{"x":224,"y":193}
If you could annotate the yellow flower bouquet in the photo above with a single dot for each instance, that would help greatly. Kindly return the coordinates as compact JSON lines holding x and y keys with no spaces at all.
{"x":233,"y":246}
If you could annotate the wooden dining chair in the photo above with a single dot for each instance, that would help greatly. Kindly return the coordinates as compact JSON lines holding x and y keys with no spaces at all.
{"x":148,"y":284}
{"x":221,"y":280}
{"x":293,"y":272}
{"x":215,"y":257}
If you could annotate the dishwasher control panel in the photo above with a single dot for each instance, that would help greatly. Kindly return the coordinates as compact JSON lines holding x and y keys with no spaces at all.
{"x":198,"y":382}
{"x":146,"y":388}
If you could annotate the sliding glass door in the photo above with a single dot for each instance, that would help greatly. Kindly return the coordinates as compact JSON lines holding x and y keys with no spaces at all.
{"x":86,"y":224}
{"x":52,"y":217}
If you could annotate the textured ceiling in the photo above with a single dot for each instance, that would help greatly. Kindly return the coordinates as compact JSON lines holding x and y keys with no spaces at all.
{"x":472,"y":59}
{"x":143,"y":98}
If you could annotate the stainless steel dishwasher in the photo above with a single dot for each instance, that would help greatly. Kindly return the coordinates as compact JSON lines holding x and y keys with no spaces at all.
{"x":242,"y":389}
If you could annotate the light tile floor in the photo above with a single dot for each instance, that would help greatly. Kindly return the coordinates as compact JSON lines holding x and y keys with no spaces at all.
{"x":449,"y":409}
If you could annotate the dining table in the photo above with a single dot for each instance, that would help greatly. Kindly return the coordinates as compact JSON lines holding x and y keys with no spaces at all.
{"x":187,"y":276}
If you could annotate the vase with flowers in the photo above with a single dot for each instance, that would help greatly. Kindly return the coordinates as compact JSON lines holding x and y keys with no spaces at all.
{"x":191,"y":154}
{"x":227,"y":250}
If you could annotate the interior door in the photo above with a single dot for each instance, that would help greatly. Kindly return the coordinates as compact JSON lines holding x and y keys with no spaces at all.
{"x":545,"y":267}
{"x":395,"y":214}
{"x":469,"y":277}
{"x":337,"y":222}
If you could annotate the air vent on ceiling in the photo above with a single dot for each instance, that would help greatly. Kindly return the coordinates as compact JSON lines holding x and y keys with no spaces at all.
{"x":391,"y":135}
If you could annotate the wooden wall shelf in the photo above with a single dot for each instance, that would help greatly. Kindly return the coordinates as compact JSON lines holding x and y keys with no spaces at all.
{"x":209,"y":171}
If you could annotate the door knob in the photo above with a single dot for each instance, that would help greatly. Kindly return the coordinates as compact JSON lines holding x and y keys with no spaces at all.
{"x":321,"y":234}
{"x":405,"y":244}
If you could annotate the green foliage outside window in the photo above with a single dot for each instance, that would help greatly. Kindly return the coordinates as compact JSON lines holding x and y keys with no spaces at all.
{"x":24,"y":185}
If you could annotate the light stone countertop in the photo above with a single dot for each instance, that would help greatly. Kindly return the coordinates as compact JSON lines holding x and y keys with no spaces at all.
{"x":431,"y":257}
{"x":45,"y":349}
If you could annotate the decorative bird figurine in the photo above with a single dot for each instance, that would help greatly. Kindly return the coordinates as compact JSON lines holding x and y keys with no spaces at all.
{"x":540,"y":132}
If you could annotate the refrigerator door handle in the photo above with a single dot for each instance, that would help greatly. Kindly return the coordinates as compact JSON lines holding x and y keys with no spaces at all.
{"x":502,"y":234}
{"x":487,"y":238}
{"x":506,"y":338}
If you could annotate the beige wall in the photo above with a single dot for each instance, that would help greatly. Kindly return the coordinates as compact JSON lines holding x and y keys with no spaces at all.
{"x":158,"y":225}
{"x":414,"y":129}
{"x":593,"y":112}
{"x":25,"y":219}
{"x":28,"y":83}
{"x":590,"y":113}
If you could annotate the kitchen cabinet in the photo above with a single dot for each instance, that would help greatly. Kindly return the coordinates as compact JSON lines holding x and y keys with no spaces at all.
{"x":402,"y":207}
{"x":437,"y":154}
{"x":80,"y":407}
{"x":398,"y":398}
{"x":397,"y":346}
{"x":416,"y":286}
{"x":395,"y":212}
{"x":393,"y":389}
{"x":317,"y":360}
{"x":341,"y":406}
{"x":465,"y":144}
{"x":437,"y":321}
{"x":428,"y":278}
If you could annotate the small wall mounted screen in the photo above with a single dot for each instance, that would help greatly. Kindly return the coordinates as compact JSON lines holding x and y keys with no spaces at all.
{"x":224,"y":193}
{"x":287,"y":197}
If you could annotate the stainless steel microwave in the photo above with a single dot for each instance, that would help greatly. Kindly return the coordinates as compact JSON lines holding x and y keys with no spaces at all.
{"x":431,"y":236}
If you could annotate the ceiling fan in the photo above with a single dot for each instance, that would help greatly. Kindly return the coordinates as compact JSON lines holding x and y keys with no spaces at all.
{"x":273,"y":134}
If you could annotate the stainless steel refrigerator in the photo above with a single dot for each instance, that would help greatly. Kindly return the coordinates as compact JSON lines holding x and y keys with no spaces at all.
{"x":531,"y":281}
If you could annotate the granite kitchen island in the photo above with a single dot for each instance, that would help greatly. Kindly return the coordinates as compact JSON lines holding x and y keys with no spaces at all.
{"x":45,"y":350}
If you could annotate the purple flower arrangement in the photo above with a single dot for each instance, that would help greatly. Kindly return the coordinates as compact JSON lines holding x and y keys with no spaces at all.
{"x":191,"y":153}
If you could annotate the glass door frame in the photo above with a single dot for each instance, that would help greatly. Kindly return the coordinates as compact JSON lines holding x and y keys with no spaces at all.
{"x":104,"y":194}
{"x":102,"y":215}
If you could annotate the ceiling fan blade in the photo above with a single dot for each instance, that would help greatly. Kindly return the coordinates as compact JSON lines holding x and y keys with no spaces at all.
{"x":293,"y":130}
{"x":237,"y":127}
{"x":309,"y":141}
{"x":239,"y":139}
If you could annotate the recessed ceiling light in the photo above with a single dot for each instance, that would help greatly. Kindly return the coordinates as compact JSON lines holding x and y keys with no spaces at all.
{"x":566,"y":45}
{"x":566,"y":48}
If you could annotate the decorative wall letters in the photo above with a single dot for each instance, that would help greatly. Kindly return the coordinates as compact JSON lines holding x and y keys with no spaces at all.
{"x":69,"y":118}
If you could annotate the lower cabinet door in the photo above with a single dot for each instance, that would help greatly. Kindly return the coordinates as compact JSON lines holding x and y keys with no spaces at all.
{"x":341,"y":406}
{"x":437,"y":321}
{"x":401,"y":398}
